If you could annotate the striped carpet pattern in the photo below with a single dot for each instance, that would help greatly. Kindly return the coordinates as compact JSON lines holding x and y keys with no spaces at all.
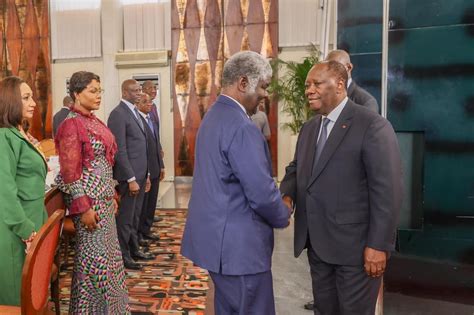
{"x":168,"y":285}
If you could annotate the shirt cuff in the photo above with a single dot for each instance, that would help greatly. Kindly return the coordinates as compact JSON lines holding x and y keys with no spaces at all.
{"x":131,"y":179}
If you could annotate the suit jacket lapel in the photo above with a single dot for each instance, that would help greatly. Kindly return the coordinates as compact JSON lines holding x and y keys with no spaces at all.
{"x":310,"y":146}
{"x":340,"y":129}
{"x":37,"y":150}
{"x":132,"y":114}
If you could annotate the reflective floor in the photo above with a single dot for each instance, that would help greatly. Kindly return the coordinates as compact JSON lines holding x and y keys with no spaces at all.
{"x":413,"y":287}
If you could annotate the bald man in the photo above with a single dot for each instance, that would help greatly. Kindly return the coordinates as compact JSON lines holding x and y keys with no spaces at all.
{"x":354,"y":92}
{"x":130,"y":170}
{"x":59,"y":117}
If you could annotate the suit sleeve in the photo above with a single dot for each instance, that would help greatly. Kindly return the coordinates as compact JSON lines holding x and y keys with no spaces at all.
{"x":11,"y":210}
{"x":117,"y":125}
{"x":159,"y":147}
{"x":381,"y":158}
{"x":288,"y":184}
{"x":372,"y":104}
{"x":247,"y":158}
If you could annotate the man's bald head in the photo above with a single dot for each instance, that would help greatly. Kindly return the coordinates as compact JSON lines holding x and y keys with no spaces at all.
{"x":342,"y":57}
{"x":131,"y":90}
{"x":149,"y":88}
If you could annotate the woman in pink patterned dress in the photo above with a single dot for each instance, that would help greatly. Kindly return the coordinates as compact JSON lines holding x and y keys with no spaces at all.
{"x":86,"y":150}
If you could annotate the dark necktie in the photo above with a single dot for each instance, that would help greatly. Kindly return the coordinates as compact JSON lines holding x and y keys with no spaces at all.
{"x":321,"y":142}
{"x":150,"y":124}
{"x":137,"y":114}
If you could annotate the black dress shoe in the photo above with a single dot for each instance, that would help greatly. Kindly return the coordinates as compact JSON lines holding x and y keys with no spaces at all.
{"x":143,"y":256}
{"x":143,"y":242}
{"x":157,"y":219}
{"x":309,"y":305}
{"x":130,"y":264}
{"x":151,"y":237}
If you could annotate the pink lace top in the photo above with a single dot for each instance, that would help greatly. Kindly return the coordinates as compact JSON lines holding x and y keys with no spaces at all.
{"x":86,"y":149}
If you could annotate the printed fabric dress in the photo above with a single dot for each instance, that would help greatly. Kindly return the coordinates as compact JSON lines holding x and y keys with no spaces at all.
{"x":86,"y":149}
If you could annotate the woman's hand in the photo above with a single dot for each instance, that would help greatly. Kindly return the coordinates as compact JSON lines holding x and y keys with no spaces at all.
{"x":89,"y":219}
{"x":29,"y":241}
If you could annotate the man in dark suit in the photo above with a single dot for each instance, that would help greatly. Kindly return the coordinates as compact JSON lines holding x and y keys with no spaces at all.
{"x":156,"y":169}
{"x":355,"y":93}
{"x":150,"y":88}
{"x":59,"y":117}
{"x":235,"y":203}
{"x":345,"y":182}
{"x":130,"y":170}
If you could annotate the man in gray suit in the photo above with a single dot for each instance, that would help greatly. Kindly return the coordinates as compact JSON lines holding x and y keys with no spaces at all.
{"x":345,"y":182}
{"x":59,"y":117}
{"x":130,"y":170}
{"x":355,"y":93}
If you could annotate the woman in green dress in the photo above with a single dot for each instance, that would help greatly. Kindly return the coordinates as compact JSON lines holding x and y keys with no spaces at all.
{"x":22,"y":174}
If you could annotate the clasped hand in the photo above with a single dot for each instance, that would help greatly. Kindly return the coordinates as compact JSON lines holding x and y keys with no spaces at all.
{"x":89,"y":219}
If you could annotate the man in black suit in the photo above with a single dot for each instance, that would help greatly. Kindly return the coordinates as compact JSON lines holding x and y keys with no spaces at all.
{"x":345,"y":182}
{"x":156,"y":168}
{"x":130,"y":170}
{"x":355,"y":93}
{"x":59,"y":117}
{"x":150,"y":88}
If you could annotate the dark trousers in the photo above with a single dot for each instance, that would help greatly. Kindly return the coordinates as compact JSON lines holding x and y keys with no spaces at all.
{"x":149,"y":207}
{"x":128,"y":218}
{"x":243,"y":295}
{"x":340,"y":289}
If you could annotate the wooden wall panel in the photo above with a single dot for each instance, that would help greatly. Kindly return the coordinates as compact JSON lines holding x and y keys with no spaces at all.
{"x":204,"y":34}
{"x":24,"y":52}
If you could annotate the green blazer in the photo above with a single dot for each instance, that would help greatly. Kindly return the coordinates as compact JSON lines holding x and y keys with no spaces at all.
{"x":22,"y":175}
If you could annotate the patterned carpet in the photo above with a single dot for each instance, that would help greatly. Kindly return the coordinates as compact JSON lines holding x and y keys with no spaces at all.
{"x":168,"y":285}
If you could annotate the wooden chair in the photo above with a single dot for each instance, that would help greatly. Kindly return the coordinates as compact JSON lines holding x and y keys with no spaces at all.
{"x":54,"y":200}
{"x":37,"y":269}
{"x":48,"y":147}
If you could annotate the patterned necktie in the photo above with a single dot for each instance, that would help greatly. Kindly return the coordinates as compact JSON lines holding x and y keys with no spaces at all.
{"x":137,"y":114}
{"x":150,"y":124}
{"x":321,"y":142}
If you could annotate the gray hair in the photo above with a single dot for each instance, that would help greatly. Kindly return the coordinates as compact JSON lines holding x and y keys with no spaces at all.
{"x":246,"y":64}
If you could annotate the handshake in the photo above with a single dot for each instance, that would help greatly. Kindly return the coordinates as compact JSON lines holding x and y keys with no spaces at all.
{"x":289,"y":203}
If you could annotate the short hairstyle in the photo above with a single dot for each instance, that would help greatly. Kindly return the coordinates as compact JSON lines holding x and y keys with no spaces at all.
{"x":337,"y":70}
{"x":246,"y":64}
{"x":79,"y":81}
{"x":11,"y":106}
{"x":67,"y":100}
{"x":126,"y":84}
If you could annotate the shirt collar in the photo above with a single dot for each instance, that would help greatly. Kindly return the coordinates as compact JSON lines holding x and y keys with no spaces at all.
{"x":240,"y":105}
{"x":349,"y":81}
{"x":334,"y":114}
{"x":130,"y":105}
{"x":143,"y":115}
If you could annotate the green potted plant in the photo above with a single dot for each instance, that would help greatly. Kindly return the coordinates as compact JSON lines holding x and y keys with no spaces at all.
{"x":290,"y":88}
